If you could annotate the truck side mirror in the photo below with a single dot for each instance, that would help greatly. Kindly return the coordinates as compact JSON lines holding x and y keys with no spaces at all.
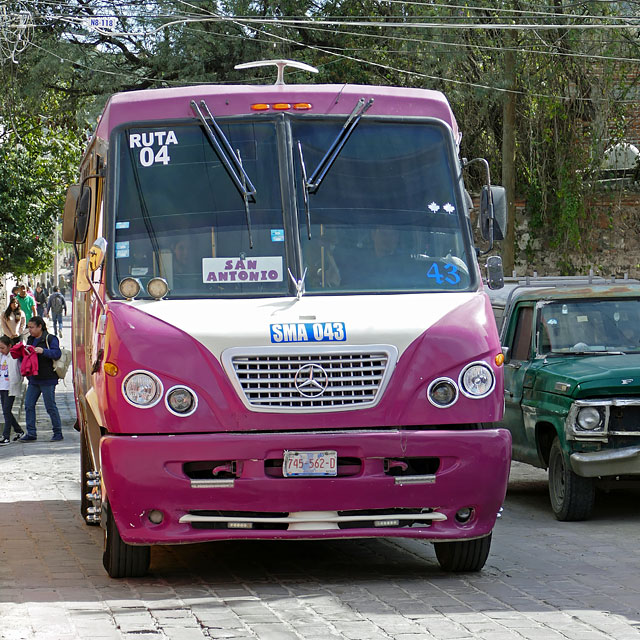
{"x":495,"y":273}
{"x":69,"y":215}
{"x":493,"y":206}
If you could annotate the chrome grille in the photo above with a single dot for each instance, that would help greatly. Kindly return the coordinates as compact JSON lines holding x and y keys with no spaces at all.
{"x":354,"y":379}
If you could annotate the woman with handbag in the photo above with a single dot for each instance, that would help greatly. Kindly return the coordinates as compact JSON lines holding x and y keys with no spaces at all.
{"x":43,"y":383}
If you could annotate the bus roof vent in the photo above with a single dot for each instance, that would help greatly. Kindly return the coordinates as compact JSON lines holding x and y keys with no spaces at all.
{"x":281,"y":64}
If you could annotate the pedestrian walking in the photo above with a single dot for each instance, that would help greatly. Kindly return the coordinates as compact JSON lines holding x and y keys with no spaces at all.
{"x":41,"y":301}
{"x":56,"y":307}
{"x":43,"y":383}
{"x":10,"y":388}
{"x":27,"y":303}
{"x":13,"y":321}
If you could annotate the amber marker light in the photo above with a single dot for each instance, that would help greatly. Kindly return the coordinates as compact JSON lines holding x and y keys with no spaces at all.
{"x":302,"y":106}
{"x":110,"y":369}
{"x":281,"y":106}
{"x":260,"y":106}
{"x":499,"y":359}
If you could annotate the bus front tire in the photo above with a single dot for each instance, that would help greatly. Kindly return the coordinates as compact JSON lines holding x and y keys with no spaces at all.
{"x":572,"y":496}
{"x":122,"y":560}
{"x":463,"y":555}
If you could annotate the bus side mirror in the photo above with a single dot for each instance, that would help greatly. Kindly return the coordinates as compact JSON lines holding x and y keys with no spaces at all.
{"x":493,"y":206}
{"x":495,"y":273}
{"x":69,"y":215}
{"x":82,"y":282}
{"x":83,"y":210}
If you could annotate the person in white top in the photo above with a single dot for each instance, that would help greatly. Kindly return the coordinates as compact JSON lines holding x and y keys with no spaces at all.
{"x":10,"y":387}
{"x":13,"y":321}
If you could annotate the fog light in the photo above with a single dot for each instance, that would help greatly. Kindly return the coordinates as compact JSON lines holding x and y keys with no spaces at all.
{"x":464,"y":515}
{"x":157,"y":288}
{"x":130,"y":287}
{"x":156,"y":516}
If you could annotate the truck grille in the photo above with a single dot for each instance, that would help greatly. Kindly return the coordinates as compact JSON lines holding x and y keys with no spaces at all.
{"x":311,"y":380}
{"x":624,"y":420}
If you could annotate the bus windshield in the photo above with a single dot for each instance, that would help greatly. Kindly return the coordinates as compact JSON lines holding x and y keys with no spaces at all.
{"x":386,"y":218}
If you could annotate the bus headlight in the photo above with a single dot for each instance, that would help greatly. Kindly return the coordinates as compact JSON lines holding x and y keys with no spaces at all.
{"x":589,"y":418}
{"x":477,"y":380}
{"x":181,"y":401}
{"x":142,"y":389}
{"x":442,"y":393}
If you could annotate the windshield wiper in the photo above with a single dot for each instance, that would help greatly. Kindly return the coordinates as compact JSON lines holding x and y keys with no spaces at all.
{"x":334,"y":150}
{"x":600,"y":352}
{"x":229,"y":159}
{"x":305,"y":190}
{"x":247,"y":213}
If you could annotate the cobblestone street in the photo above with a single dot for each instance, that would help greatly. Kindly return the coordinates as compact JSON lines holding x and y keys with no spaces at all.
{"x":544,"y":579}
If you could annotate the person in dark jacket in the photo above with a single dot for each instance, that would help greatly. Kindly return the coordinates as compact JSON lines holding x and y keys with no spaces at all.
{"x":44,"y":383}
{"x":41,"y":300}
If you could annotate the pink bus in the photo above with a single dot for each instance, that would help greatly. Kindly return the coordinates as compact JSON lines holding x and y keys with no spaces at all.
{"x":279,"y":323}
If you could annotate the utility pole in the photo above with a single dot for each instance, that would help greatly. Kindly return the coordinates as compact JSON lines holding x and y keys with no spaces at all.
{"x":55,"y":256}
{"x":509,"y":153}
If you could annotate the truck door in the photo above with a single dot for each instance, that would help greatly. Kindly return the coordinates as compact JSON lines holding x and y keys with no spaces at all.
{"x":520,"y":343}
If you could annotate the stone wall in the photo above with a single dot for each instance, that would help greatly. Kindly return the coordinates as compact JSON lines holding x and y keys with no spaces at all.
{"x":611,"y":246}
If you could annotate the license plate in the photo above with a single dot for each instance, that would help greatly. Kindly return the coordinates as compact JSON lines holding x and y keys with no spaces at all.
{"x":309,"y":463}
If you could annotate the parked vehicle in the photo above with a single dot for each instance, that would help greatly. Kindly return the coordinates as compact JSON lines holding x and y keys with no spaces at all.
{"x":279,"y":325}
{"x":572,"y":382}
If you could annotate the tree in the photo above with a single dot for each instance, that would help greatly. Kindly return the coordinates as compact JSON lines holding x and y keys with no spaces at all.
{"x":38,"y":159}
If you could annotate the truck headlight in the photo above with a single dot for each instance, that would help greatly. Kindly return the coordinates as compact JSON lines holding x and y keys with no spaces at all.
{"x":589,"y":418}
{"x":477,"y":380}
{"x":142,"y":389}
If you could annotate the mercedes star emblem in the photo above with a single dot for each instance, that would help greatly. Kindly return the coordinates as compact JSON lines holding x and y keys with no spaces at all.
{"x":311,"y":380}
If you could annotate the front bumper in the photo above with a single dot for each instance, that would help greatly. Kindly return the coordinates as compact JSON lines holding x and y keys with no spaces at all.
{"x":613,"y":462}
{"x":146,"y":473}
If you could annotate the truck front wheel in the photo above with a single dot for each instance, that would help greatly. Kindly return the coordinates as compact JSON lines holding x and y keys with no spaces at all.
{"x":122,"y":560}
{"x":463,"y":555}
{"x":572,"y":496}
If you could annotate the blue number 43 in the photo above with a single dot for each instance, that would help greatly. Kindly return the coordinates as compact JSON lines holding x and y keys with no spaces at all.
{"x":450,"y":274}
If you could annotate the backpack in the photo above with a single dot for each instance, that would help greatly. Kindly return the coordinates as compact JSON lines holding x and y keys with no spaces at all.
{"x":56,"y":303}
{"x":61,"y":365}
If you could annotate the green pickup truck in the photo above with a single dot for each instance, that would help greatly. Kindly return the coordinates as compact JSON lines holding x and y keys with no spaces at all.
{"x":572,"y":382}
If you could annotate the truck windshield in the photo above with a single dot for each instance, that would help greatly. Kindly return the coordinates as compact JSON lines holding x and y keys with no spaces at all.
{"x":178,"y":214}
{"x":590,"y":326}
{"x":386,"y":217}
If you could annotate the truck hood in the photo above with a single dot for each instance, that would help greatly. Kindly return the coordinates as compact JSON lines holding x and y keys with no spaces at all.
{"x":591,"y":376}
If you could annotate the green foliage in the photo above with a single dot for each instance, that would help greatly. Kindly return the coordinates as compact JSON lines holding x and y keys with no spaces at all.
{"x":38,"y":159}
